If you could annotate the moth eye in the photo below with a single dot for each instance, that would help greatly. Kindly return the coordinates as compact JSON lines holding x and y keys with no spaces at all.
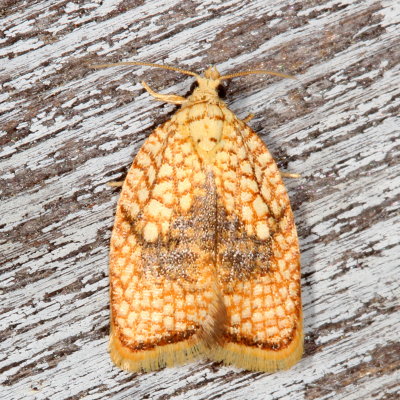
{"x":221,"y":90}
{"x":193,"y":86}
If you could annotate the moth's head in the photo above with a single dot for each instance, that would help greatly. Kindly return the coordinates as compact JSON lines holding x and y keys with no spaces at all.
{"x":207,"y":87}
{"x":212,"y":73}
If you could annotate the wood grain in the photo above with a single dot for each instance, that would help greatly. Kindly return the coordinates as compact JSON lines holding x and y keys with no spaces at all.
{"x":66,"y":130}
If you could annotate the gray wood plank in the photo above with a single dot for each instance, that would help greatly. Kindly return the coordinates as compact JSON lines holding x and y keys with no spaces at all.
{"x":66,"y":130}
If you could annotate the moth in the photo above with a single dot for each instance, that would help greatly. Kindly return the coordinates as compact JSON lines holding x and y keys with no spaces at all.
{"x":204,"y":258}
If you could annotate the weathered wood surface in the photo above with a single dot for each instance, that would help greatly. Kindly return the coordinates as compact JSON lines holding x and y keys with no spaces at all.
{"x":66,"y":130}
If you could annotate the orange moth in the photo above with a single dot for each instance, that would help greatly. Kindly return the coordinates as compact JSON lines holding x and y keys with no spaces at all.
{"x":204,"y":255}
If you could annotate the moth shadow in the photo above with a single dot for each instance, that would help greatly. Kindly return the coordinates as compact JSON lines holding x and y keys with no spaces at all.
{"x":308,"y":257}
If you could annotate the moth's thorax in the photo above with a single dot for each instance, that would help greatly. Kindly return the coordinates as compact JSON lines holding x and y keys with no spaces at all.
{"x":204,"y":116}
{"x":205,"y":124}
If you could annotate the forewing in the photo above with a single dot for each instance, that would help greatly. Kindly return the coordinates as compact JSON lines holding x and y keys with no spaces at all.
{"x":165,"y":304}
{"x":257,"y":257}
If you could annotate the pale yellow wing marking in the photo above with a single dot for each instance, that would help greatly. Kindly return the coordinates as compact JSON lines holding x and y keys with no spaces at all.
{"x":258,"y":256}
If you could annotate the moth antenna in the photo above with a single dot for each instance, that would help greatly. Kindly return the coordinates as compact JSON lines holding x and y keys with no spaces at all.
{"x":256,"y":71}
{"x":182,"y":71}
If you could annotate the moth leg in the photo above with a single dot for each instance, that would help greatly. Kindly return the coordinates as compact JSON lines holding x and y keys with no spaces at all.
{"x":115,"y":183}
{"x":290,"y":175}
{"x":168,"y":98}
{"x":248,"y":118}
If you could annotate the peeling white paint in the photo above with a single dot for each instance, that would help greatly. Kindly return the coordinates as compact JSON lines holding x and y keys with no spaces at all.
{"x":347,"y":138}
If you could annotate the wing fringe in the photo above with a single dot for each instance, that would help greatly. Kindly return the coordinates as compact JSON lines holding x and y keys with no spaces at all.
{"x":152,"y":360}
{"x":254,"y":359}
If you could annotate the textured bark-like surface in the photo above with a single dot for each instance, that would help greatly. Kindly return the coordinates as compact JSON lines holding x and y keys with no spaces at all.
{"x":66,"y":130}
